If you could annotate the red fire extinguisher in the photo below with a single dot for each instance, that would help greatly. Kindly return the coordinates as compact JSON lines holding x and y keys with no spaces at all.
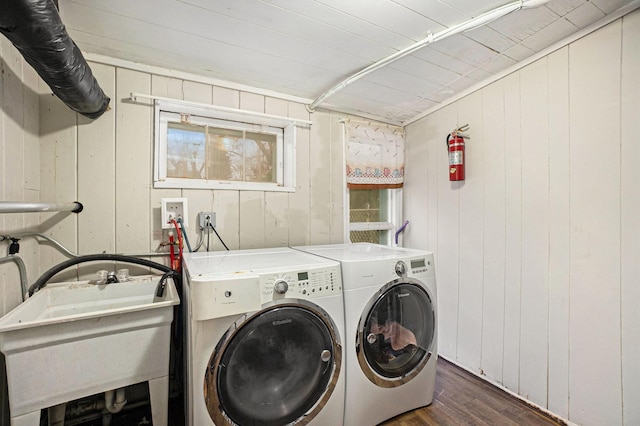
{"x":455,"y":146}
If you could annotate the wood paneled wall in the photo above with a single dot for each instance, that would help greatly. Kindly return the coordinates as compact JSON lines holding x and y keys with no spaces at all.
{"x":19,"y":163}
{"x":107,"y":164}
{"x":537,"y":251}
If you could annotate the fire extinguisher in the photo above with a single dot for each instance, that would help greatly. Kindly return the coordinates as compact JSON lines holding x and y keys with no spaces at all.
{"x":455,"y":147}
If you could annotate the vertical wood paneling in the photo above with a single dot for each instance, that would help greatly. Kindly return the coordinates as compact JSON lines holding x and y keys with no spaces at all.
{"x":630,"y":230}
{"x":31,"y":128}
{"x":471,"y":236}
{"x":29,"y":248}
{"x":58,"y":174}
{"x":11,"y":102}
{"x":170,"y":88}
{"x":252,"y":214}
{"x":535,"y":233}
{"x":337,"y":177}
{"x":251,"y":219}
{"x":96,"y":172}
{"x":200,"y":200}
{"x":276,"y":203}
{"x":226,"y":97}
{"x":133,"y":162}
{"x":434,"y":174}
{"x":595,"y":358}
{"x":18,"y":105}
{"x":299,"y":201}
{"x":226,"y":203}
{"x":442,"y":122}
{"x":570,"y":230}
{"x":320,"y":180}
{"x":13,"y":105}
{"x":416,"y":170}
{"x":559,"y":235}
{"x":494,"y":230}
{"x":513,"y":232}
{"x":276,"y":219}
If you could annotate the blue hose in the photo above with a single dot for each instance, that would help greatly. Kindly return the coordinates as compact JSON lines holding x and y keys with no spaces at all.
{"x":184,"y":234}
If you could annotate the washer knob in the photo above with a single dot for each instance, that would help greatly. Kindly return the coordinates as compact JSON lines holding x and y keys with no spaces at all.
{"x":401,"y":268}
{"x":281,"y":286}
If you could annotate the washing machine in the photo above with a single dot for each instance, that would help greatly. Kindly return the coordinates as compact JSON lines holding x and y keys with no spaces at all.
{"x":263,"y":338}
{"x":390,"y":326}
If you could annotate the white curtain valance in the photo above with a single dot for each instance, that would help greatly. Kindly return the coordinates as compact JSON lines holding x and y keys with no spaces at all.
{"x":375,"y":155}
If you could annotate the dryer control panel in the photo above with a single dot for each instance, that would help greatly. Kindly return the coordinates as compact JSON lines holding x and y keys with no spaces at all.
{"x":301,"y":284}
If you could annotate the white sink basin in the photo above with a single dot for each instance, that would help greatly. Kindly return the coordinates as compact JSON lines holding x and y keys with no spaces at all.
{"x":71,"y":301}
{"x":71,"y":340}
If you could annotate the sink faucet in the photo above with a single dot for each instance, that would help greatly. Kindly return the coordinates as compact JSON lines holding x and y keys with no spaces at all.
{"x":106,"y":277}
{"x":112,"y":278}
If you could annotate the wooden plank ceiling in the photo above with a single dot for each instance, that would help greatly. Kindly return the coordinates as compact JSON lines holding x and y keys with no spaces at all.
{"x":305,"y":47}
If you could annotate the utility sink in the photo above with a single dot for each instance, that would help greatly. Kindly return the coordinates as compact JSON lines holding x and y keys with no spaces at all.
{"x":70,"y":340}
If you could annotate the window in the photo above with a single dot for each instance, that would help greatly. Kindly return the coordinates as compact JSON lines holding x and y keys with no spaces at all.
{"x":374,"y":177}
{"x":197,"y":147}
{"x":374,"y":215}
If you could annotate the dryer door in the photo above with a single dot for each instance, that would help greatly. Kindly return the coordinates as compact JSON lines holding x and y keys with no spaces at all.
{"x":277,"y":366}
{"x":396,"y":333}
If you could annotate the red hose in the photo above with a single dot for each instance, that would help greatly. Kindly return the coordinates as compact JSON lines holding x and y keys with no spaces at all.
{"x":172,"y":255}
{"x":178,"y":261}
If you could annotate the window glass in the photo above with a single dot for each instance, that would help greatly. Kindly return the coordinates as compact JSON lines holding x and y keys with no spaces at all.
{"x":373,"y":215}
{"x":197,"y":150}
{"x":372,"y":236}
{"x":185,"y":151}
{"x":368,"y":205}
{"x":260,"y":157}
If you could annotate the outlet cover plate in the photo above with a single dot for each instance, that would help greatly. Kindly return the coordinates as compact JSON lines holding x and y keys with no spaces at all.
{"x":172,"y":208}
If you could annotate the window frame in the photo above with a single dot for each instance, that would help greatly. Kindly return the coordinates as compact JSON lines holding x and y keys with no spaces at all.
{"x":167,"y":111}
{"x":394,"y":217}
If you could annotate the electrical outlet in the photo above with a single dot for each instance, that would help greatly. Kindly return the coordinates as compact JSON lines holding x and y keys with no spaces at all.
{"x":173,"y":208}
{"x":206,"y":218}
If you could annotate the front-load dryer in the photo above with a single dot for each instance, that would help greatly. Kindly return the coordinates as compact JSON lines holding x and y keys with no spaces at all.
{"x":263,"y":338}
{"x":390,"y":326}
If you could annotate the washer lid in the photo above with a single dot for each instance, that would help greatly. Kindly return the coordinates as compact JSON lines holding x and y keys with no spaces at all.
{"x":357,"y":252}
{"x":254,"y":260}
{"x":396,"y":333}
{"x":277,"y":367}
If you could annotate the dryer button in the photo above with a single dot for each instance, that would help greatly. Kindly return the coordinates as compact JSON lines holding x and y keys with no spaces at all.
{"x":227,"y":293}
{"x":401,"y":268}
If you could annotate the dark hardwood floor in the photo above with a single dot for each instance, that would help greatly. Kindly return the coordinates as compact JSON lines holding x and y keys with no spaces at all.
{"x":464,"y":399}
{"x":460,"y":399}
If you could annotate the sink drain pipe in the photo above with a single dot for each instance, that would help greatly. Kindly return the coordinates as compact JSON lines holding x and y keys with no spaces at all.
{"x":114,"y":401}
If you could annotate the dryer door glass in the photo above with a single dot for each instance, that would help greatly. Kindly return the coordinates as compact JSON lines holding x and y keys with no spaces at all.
{"x":398,"y":332}
{"x":274,"y":369}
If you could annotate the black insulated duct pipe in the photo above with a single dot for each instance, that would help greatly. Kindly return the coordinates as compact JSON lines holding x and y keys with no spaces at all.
{"x":36,"y":30}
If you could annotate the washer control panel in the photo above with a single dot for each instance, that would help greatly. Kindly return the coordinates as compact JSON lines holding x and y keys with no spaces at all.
{"x":413,"y":266}
{"x":301,"y":284}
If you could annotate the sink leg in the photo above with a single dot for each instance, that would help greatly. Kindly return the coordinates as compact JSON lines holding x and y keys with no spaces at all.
{"x":56,"y":414}
{"x":29,"y":419}
{"x":159,"y":396}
